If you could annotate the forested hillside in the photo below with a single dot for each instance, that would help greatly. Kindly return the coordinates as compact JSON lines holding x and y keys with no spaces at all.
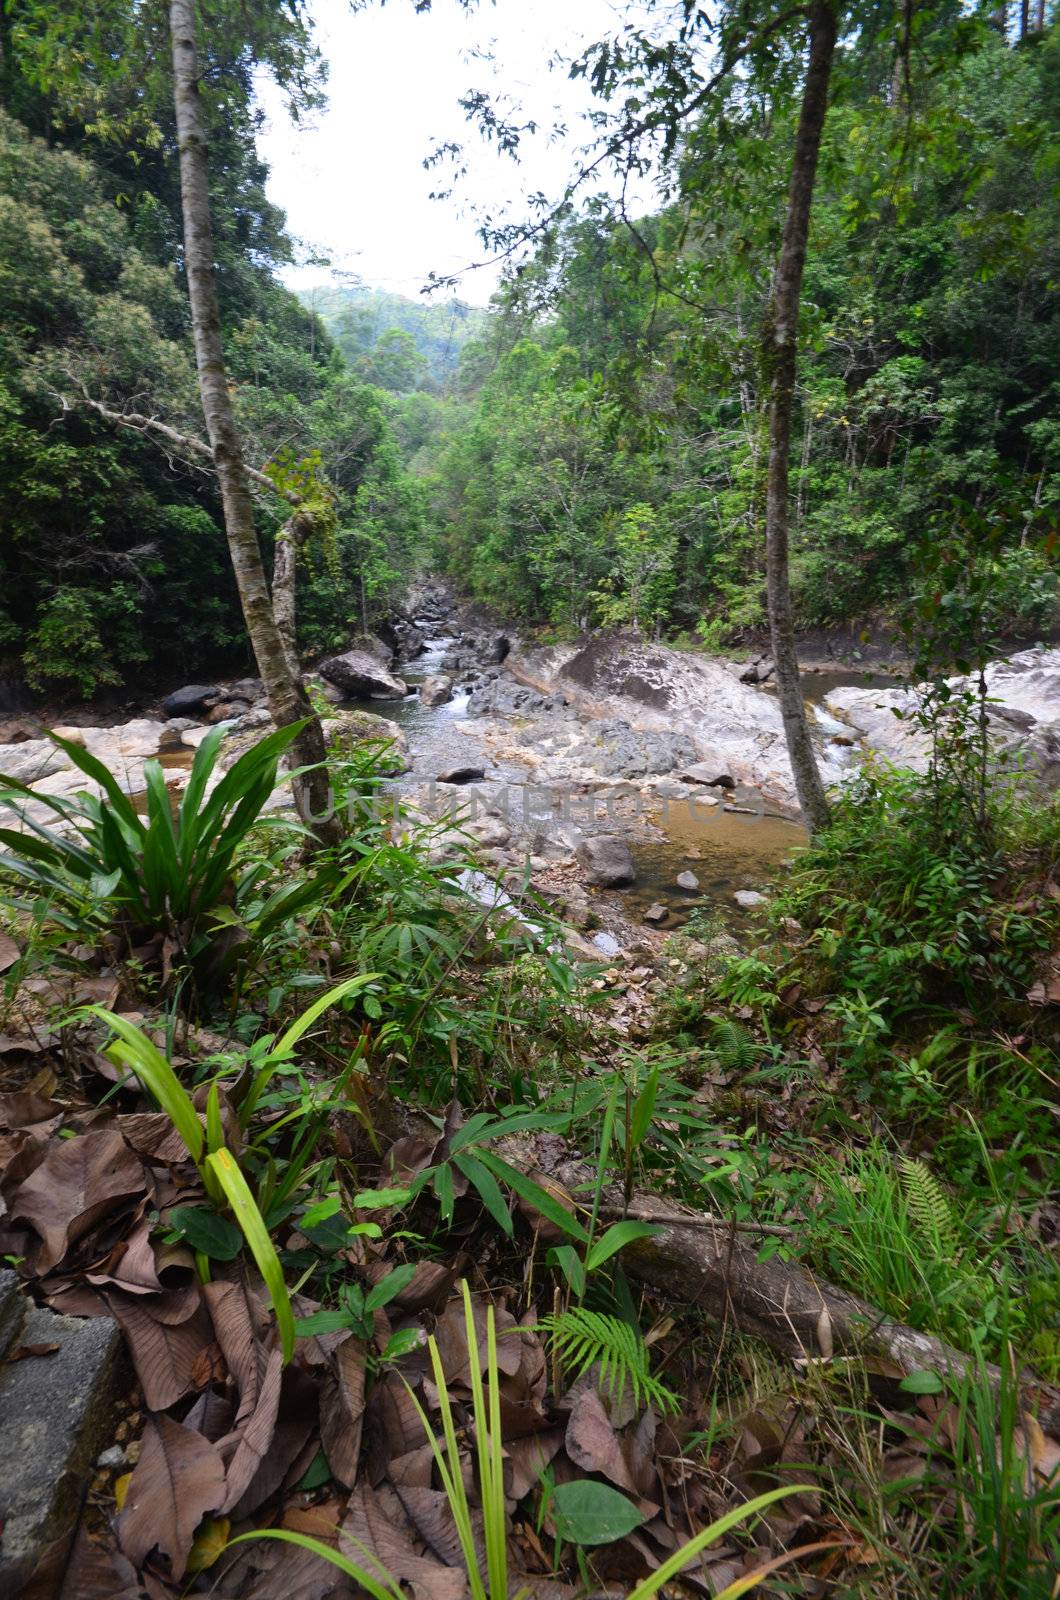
{"x":365,"y":324}
{"x":610,"y":465}
{"x":588,"y":452}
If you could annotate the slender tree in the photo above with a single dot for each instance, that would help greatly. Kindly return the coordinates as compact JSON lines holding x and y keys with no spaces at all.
{"x":780,"y":343}
{"x":288,"y":701}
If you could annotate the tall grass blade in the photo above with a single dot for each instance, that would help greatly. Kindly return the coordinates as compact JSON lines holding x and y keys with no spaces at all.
{"x":134,"y":1049}
{"x":225,"y":1168}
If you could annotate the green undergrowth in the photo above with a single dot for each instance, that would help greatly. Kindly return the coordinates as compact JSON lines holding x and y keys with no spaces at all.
{"x":370,"y":1081}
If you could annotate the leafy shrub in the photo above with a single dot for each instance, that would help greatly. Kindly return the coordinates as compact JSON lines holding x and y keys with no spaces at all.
{"x":165,"y":873}
{"x":909,"y":903}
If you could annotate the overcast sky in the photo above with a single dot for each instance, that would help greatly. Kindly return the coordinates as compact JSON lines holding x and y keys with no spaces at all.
{"x":352,"y":182}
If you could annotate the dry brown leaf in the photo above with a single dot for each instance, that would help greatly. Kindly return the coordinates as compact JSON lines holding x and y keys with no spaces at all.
{"x":342,"y":1410}
{"x":593,"y":1444}
{"x":392,"y":1544}
{"x":393,"y":1424}
{"x":295,"y":1429}
{"x":527,"y":1458}
{"x":254,"y":1436}
{"x":239,"y":1326}
{"x":163,"y":1353}
{"x":131,"y":1264}
{"x":178,"y":1479}
{"x":9,"y":952}
{"x":79,"y":1181}
{"x":95,"y":1571}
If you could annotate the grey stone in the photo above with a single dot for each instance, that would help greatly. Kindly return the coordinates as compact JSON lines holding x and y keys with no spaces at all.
{"x":360,"y":674}
{"x":12,"y":1309}
{"x":703,"y":772}
{"x":56,"y":1413}
{"x":490,"y":832}
{"x":687,"y":880}
{"x":606,"y":860}
{"x":31,"y":760}
{"x":112,"y":1456}
{"x":656,"y":913}
{"x":748,"y":898}
{"x":256,"y":717}
{"x":436,"y":691}
{"x":250,"y":689}
{"x":182,"y":702}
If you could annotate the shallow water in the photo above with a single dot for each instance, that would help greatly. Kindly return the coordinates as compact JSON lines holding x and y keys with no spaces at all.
{"x":725,"y":850}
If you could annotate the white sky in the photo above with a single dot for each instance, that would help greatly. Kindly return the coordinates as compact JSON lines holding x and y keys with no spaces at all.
{"x":352,"y":182}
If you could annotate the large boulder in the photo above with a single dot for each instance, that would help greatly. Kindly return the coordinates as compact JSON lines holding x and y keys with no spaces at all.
{"x":1023,"y":716}
{"x":701,"y":710}
{"x":606,"y":860}
{"x":436,"y":691}
{"x":362,"y":675}
{"x":193,"y":697}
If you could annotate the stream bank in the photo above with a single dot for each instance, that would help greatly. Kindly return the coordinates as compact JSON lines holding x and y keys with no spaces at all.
{"x":535,"y":752}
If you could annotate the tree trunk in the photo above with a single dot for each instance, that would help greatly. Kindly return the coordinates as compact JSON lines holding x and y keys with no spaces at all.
{"x":287,"y":698}
{"x":794,"y":1312}
{"x":780,"y":355}
{"x":289,"y":541}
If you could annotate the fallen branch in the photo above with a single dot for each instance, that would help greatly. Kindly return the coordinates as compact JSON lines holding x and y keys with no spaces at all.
{"x":697,"y":1219}
{"x":702,"y":1261}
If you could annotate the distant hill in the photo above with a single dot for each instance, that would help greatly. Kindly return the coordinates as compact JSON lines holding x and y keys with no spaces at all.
{"x":358,"y":318}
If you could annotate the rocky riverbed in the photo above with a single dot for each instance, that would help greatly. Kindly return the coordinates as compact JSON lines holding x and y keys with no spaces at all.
{"x":629,"y":783}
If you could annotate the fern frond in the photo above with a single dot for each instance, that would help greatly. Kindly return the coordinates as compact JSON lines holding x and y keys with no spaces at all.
{"x":581,"y":1339}
{"x":929,"y":1207}
{"x":734,"y":1047}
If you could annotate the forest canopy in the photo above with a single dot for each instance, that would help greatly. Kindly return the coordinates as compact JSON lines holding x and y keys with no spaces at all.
{"x":589,"y":450}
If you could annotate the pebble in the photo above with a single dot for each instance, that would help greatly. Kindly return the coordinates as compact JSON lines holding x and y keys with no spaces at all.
{"x":748,"y":898}
{"x":687,"y":880}
{"x":113,"y":1456}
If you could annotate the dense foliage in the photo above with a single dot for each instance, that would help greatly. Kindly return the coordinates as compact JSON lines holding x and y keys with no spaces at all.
{"x":610,"y":465}
{"x":113,"y":558}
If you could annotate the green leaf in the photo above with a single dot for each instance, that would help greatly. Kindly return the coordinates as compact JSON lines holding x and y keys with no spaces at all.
{"x":922,"y":1383}
{"x":380,"y":1199}
{"x":224,"y":1167}
{"x":323,"y":1322}
{"x":532,"y":1192}
{"x":313,"y":1216}
{"x":643,"y":1108}
{"x":586,"y":1512}
{"x":488,"y":1189}
{"x":134,"y":1049}
{"x":401,"y":1343}
{"x":204,"y":1230}
{"x":618,"y":1235}
{"x":570,"y":1263}
{"x":385,"y":1290}
{"x":317,"y":1474}
{"x":443,"y":1188}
